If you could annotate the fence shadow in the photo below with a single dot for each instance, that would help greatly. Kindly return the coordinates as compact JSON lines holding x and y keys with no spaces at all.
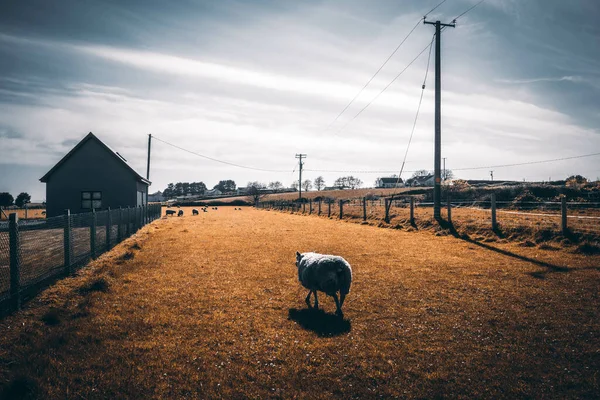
{"x":320,"y":322}
{"x":536,"y":274}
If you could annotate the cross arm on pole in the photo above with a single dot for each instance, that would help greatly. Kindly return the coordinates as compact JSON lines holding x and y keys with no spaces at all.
{"x":452,"y":25}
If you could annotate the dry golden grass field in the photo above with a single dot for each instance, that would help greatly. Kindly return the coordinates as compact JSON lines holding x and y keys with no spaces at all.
{"x":209,"y":306}
{"x":336,"y":194}
{"x":33,"y":213}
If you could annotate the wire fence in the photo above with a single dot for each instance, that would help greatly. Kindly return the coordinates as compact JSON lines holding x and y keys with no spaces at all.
{"x":33,"y":252}
{"x":550,"y":217}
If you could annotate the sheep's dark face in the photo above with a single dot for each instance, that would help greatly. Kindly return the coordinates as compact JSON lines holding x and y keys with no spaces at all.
{"x":298,"y":259}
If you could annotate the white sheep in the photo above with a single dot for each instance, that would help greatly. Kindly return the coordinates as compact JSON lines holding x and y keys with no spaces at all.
{"x":325,"y":273}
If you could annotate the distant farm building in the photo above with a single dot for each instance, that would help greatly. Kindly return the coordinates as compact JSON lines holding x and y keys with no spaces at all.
{"x":425,"y":180}
{"x":157,"y":197}
{"x":391,"y":182}
{"x":93,"y":176}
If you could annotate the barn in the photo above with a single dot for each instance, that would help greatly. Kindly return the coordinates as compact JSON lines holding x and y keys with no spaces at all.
{"x":93,"y":176}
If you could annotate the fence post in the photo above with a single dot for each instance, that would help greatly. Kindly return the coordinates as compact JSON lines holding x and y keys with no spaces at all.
{"x":108,"y":228}
{"x":364,"y":208}
{"x":387,"y":210}
{"x":319,"y":213}
{"x":329,"y":209}
{"x":67,"y":241}
{"x":128,"y":220}
{"x":412,"y":210}
{"x":120,"y":225}
{"x":563,"y":214}
{"x":309,"y":206}
{"x":303,"y":207}
{"x":15,"y":261}
{"x":494,"y":222}
{"x":93,"y":234}
{"x":449,"y":207}
{"x":341,"y":209}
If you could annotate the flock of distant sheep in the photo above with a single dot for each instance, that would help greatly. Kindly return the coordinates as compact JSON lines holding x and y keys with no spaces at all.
{"x":194,"y":211}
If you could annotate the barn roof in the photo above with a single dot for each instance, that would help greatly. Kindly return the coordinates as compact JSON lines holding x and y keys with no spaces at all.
{"x":391,"y":180}
{"x":91,"y":136}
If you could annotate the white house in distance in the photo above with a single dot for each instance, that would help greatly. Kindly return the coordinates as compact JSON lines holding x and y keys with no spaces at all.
{"x":426,"y":180}
{"x":389,"y":182}
{"x":212,"y":193}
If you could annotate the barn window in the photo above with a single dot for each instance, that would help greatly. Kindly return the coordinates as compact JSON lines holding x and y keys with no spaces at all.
{"x":91,"y":200}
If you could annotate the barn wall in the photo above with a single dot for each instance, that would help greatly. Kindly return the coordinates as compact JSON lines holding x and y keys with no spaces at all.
{"x":90,"y":168}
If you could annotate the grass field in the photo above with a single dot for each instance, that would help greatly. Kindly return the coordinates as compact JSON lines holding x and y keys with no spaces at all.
{"x":210,"y":307}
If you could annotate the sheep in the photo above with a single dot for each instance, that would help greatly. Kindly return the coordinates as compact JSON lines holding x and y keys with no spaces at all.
{"x":325,"y":273}
{"x":170,"y":212}
{"x":195,"y":212}
{"x":180,"y":213}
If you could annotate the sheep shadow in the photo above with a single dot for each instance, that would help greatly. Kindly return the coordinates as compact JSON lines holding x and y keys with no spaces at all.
{"x":320,"y":322}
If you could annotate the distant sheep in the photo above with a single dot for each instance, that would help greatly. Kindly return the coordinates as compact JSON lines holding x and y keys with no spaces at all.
{"x":325,"y":273}
{"x":195,"y":212}
{"x":170,"y":212}
{"x":180,"y":213}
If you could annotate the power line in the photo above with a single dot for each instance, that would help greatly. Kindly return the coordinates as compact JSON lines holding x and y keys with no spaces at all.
{"x":381,"y":67}
{"x":381,"y":92}
{"x":481,"y":1}
{"x":526,"y":163}
{"x":216,"y":160}
{"x":418,"y":109}
{"x":373,"y":77}
{"x":455,"y":169}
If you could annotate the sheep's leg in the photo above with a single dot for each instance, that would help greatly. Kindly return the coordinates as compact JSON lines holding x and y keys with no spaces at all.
{"x":316,"y":300}
{"x":338,"y":311}
{"x":342,"y":298}
{"x":308,"y":299}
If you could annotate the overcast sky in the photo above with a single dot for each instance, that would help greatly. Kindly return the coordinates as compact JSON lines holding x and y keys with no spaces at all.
{"x":255,"y":82}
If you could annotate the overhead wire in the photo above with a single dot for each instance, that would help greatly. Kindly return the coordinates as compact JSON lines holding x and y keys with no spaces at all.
{"x":217,"y":160}
{"x":381,"y":67}
{"x":418,"y":109}
{"x":481,"y":1}
{"x":383,"y":90}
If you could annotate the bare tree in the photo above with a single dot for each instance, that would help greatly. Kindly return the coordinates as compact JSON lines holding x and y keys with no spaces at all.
{"x":354,"y":182}
{"x":275,"y":186}
{"x":319,"y":183}
{"x":447,"y":174}
{"x":295,"y":186}
{"x":256,"y":191}
{"x":307,"y":185}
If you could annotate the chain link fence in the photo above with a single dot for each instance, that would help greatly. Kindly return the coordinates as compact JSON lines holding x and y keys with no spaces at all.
{"x":53,"y":247}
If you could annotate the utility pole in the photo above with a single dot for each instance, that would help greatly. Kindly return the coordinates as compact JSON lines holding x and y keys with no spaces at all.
{"x":148,"y":166}
{"x":300,"y":156}
{"x":437,"y":190}
{"x":444,"y":175}
{"x":492,"y":175}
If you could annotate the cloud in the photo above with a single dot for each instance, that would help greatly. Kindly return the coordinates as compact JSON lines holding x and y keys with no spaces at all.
{"x":574,"y":79}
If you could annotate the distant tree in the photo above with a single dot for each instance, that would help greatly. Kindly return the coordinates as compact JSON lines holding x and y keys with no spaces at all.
{"x":275,"y":186}
{"x":225,"y":186}
{"x":295,"y":186}
{"x":22,"y":199}
{"x":319,"y":183}
{"x":421,"y":172}
{"x":6,"y":199}
{"x":575,"y":180}
{"x":169,"y":192}
{"x":197,"y":188}
{"x":341,"y":182}
{"x":256,"y":191}
{"x":353,"y":182}
{"x":307,"y":185}
{"x":447,"y":174}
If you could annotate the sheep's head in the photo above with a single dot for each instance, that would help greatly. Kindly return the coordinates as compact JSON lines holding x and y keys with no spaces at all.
{"x":298,"y":259}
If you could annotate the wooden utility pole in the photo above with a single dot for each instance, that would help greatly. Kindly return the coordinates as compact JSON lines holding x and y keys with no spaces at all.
{"x":437,"y":191}
{"x":148,"y":166}
{"x":300,"y":156}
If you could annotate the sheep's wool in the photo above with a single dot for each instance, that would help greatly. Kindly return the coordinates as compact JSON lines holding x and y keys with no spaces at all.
{"x":324,"y":272}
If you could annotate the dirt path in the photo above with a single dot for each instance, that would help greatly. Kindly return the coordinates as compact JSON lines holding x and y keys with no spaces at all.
{"x":209,"y":306}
